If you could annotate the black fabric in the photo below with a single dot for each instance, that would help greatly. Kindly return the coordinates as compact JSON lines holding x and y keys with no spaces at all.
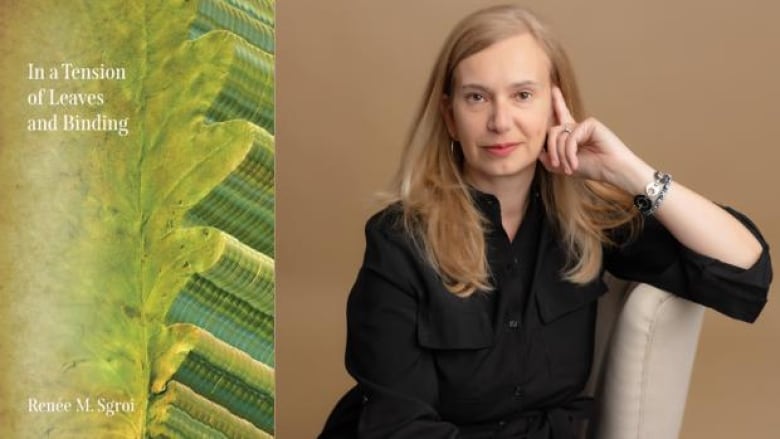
{"x":513,"y":362}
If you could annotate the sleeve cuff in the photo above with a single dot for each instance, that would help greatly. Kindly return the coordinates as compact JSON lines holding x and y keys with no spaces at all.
{"x":734,"y":291}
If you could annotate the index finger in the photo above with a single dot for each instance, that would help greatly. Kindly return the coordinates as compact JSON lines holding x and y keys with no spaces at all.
{"x":562,"y":112}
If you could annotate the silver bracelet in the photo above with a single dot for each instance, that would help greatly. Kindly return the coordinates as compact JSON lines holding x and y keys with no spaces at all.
{"x":654,"y":195}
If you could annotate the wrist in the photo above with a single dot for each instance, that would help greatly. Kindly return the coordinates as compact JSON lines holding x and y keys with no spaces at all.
{"x":633,"y":176}
{"x":655,"y":191}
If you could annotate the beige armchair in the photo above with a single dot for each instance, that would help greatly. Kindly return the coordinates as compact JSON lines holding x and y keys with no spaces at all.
{"x":646,"y":341}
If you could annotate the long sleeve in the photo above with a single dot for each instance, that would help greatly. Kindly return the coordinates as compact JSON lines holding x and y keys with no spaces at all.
{"x":396,"y":376}
{"x":657,"y":258}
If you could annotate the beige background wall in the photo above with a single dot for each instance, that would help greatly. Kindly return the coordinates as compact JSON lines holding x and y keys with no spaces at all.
{"x":691,"y":86}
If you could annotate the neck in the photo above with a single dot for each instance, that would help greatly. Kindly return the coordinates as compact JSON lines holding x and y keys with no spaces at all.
{"x":512,"y":193}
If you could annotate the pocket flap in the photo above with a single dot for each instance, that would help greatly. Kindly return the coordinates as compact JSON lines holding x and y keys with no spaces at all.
{"x":557,"y":300}
{"x":449,"y":328}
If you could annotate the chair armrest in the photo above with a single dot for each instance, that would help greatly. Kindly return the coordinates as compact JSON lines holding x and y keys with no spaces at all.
{"x":647,"y":367}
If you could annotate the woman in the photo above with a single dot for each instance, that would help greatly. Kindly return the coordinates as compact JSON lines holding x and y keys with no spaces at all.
{"x":473,"y":313}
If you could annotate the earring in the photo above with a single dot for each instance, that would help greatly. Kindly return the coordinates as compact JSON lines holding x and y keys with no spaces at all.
{"x":452,"y":147}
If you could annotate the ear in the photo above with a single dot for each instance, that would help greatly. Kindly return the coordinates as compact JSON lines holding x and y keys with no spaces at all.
{"x":445,"y":107}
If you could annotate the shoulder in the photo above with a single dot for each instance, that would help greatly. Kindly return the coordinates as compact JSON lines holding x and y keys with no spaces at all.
{"x":390,"y":250}
{"x":386,"y":218}
{"x":388,"y":224}
{"x":390,"y":262}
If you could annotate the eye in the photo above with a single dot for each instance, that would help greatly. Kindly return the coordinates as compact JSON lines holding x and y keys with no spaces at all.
{"x":523,"y":95}
{"x":474,"y":97}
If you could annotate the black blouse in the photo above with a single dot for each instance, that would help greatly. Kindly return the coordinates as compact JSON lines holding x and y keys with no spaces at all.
{"x":511,"y":363}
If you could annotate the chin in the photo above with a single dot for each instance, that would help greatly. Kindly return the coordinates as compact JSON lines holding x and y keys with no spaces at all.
{"x":513,"y":167}
{"x":505,"y":170}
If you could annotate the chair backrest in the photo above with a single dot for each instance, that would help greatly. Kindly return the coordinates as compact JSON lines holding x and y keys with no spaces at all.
{"x":646,"y":341}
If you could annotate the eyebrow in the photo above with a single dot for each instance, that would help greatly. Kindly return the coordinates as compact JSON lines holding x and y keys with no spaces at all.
{"x":513,"y":85}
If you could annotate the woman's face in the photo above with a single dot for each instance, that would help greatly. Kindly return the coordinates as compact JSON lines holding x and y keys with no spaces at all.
{"x":499,"y":109}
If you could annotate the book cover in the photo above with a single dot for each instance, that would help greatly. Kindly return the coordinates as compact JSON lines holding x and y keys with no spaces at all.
{"x":137,"y":219}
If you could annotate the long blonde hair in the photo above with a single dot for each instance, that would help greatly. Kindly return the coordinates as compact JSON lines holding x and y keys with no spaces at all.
{"x":438,"y":209}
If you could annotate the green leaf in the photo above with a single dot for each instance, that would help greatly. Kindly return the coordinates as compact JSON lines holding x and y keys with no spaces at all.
{"x":216,"y":371}
{"x":180,"y":412}
{"x":114,"y":239}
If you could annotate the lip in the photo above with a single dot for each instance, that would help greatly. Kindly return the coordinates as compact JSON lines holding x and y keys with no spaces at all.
{"x":501,"y":149}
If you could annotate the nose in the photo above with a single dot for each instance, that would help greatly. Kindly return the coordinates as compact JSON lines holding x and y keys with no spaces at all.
{"x":500,"y":118}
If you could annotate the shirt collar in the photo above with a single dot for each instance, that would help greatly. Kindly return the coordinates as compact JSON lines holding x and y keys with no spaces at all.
{"x":489,"y":204}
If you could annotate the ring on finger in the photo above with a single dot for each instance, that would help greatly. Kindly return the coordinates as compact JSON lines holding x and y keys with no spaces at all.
{"x":567,"y":129}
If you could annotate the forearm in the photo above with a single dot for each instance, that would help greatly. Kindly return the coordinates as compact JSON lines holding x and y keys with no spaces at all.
{"x":695,"y":221}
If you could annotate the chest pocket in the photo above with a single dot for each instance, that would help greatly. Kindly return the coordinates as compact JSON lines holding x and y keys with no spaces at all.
{"x":459,"y":337}
{"x":567,"y":331}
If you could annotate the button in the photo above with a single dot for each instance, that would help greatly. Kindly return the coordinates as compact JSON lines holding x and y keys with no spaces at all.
{"x":514,"y":324}
{"x":519,"y":392}
{"x":501,"y":424}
